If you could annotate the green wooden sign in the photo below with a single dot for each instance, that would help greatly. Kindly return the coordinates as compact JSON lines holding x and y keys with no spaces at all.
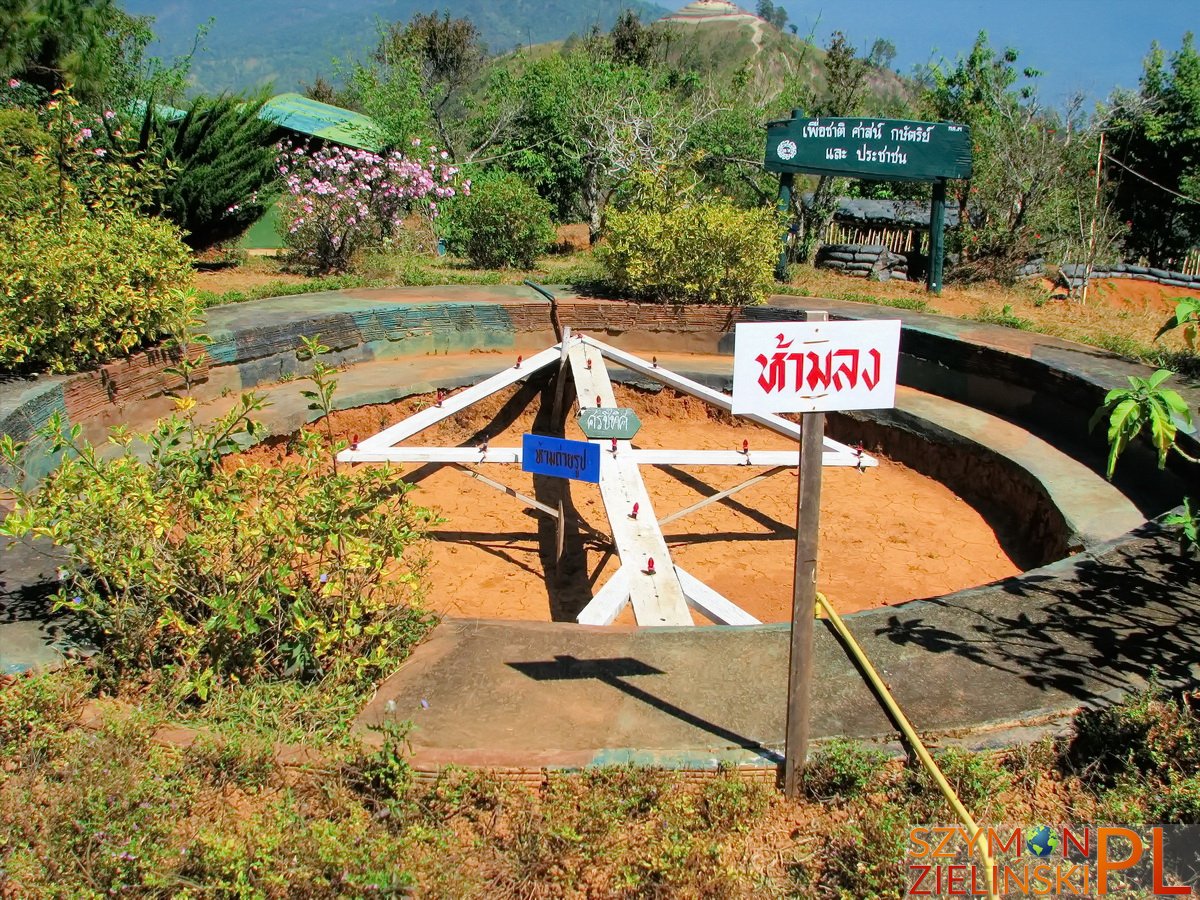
{"x":609,"y":422}
{"x":879,"y":149}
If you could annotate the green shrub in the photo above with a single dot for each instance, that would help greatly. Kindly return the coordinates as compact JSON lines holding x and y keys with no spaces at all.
{"x":841,"y":768}
{"x":977,"y":777}
{"x":1147,"y":734}
{"x":221,"y":571}
{"x":865,"y":857}
{"x":78,"y":290}
{"x":83,"y":276}
{"x":1005,"y":316}
{"x":730,"y":803}
{"x":669,"y":249}
{"x":502,"y":223}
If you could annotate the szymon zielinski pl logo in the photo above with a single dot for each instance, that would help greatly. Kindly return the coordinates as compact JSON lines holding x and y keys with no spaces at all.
{"x":1056,"y":861}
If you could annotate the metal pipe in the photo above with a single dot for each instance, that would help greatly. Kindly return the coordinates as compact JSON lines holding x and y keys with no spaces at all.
{"x":978,"y":836}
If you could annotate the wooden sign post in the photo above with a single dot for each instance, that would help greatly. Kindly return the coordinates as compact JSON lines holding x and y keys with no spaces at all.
{"x":810,"y":367}
{"x":804,"y":594}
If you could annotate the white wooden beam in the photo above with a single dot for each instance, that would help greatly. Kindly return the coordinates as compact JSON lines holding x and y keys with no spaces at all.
{"x":728,"y":492}
{"x":712,"y":604}
{"x":604,"y":608}
{"x":657,"y":597}
{"x":431,"y":415}
{"x":644,"y":457}
{"x":755,"y":458}
{"x":505,"y":489}
{"x":467,"y":455}
{"x":722,"y":401}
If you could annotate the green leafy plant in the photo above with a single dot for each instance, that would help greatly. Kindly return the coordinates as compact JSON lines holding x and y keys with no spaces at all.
{"x":221,"y":571}
{"x":1187,"y":317}
{"x":502,"y":223}
{"x":1145,"y":403}
{"x":669,"y":248}
{"x":1004,"y":316}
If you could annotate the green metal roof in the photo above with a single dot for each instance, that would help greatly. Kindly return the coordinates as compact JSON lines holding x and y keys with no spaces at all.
{"x":298,"y":113}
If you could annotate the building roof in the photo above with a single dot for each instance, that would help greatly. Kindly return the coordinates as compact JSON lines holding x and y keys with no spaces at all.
{"x":298,"y":113}
{"x":890,"y":213}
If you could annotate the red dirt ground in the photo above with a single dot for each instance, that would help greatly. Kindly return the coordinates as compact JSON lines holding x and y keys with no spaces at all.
{"x":888,"y":534}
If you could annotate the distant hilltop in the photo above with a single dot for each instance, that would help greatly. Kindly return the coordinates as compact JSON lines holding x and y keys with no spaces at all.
{"x":710,"y":11}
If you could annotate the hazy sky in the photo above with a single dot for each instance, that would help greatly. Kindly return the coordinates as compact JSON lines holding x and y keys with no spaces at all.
{"x":1088,"y":45}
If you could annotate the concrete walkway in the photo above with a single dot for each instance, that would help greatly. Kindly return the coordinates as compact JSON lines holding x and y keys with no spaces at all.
{"x":525,"y":695}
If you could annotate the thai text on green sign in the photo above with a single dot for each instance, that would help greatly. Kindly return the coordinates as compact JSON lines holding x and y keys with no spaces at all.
{"x":879,"y":149}
{"x":609,"y":422}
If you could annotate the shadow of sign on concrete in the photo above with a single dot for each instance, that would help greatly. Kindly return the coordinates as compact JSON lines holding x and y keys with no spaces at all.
{"x":613,"y":671}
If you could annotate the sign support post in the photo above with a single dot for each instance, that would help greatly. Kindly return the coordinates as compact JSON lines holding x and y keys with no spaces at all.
{"x":937,"y":237}
{"x":810,"y":367}
{"x":786,"y":182}
{"x":804,"y":594}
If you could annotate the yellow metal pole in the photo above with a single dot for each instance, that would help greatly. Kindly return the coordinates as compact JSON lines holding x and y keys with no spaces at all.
{"x":978,"y":836}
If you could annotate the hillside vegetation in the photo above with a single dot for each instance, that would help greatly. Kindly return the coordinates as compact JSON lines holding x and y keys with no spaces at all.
{"x":773,"y":57}
{"x":286,"y":44}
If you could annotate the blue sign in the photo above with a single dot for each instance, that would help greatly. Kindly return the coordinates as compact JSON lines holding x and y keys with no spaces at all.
{"x":563,"y":459}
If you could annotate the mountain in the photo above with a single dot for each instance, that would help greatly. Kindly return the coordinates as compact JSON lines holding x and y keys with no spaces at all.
{"x":719,"y":38}
{"x":288,"y":43}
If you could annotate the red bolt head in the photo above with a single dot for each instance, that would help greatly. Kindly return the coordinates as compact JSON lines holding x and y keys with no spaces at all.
{"x":589,"y":365}
{"x":745,"y":446}
{"x":354,"y":442}
{"x":650,"y":565}
{"x":597,"y":401}
{"x":654,"y":361}
{"x":614,"y":445}
{"x":633,"y":515}
{"x":518,"y":365}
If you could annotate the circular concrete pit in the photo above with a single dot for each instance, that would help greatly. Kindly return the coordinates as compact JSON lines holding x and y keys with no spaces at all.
{"x":998,"y":416}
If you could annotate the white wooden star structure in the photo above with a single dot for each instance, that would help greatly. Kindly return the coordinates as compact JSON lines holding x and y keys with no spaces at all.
{"x":660,"y":592}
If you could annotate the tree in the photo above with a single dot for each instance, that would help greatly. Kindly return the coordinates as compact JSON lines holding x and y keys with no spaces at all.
{"x":221,"y":163}
{"x":445,"y":55}
{"x":883,"y":52}
{"x":52,"y":43}
{"x":587,"y":125}
{"x":89,"y":44}
{"x":775,"y":15}
{"x":634,"y":44}
{"x":1155,"y":146}
{"x":1033,"y":186}
{"x":846,"y":81}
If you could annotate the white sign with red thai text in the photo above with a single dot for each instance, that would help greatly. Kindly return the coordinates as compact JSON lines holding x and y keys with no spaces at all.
{"x":814,"y":366}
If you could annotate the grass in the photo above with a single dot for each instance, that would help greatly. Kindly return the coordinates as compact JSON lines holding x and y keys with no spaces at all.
{"x":1126,"y":332}
{"x":264,"y":277}
{"x":110,"y":808}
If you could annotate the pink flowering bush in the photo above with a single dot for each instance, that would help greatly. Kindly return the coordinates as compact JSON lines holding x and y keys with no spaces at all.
{"x":342,"y":200}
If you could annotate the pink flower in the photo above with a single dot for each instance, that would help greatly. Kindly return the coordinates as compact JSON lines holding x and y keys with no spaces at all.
{"x":100,"y":151}
{"x":85,"y":133}
{"x":109,"y":114}
{"x":13,"y":83}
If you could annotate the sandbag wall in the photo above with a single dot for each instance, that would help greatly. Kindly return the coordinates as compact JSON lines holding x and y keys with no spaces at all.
{"x":1073,"y":275}
{"x":863,"y":261}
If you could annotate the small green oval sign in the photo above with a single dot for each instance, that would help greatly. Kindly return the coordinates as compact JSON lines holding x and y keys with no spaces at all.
{"x":609,"y":422}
